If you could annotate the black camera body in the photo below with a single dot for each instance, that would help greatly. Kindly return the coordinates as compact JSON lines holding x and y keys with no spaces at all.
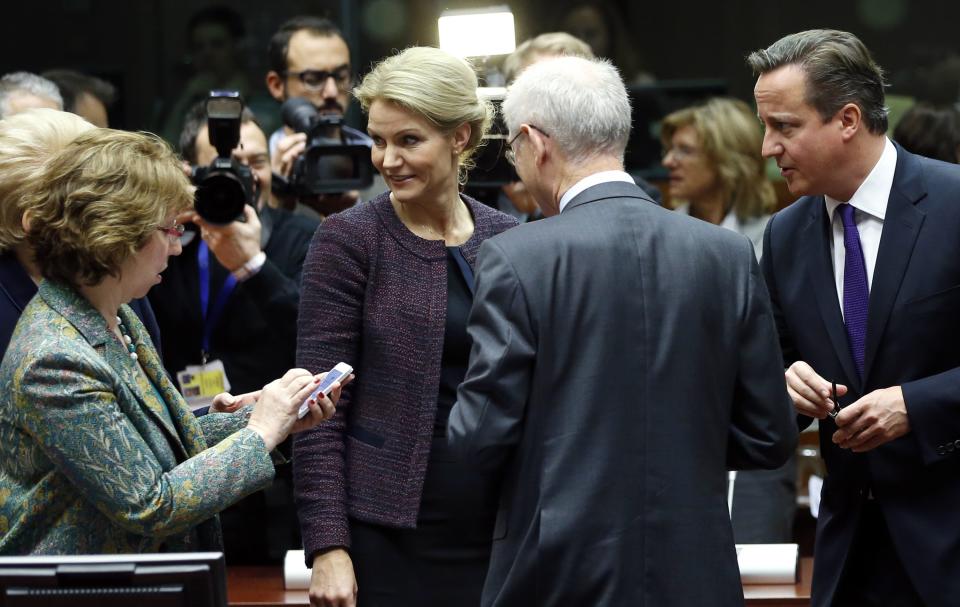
{"x":224,"y":187}
{"x":327,"y":165}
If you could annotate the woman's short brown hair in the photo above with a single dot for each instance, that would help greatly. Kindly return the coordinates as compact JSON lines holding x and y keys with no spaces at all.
{"x":730,"y":138}
{"x":27,"y":141}
{"x":98,"y":202}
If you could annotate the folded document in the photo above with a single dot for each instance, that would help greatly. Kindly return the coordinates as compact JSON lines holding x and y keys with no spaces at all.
{"x":296,"y":576}
{"x":764,"y":563}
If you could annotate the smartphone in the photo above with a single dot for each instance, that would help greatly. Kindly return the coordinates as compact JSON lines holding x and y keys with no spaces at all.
{"x":339,"y":372}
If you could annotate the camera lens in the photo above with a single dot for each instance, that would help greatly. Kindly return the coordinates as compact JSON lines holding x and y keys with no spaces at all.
{"x":220,"y":198}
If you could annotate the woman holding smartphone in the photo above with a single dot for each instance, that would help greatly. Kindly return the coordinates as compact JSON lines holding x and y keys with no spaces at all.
{"x":387,"y":287}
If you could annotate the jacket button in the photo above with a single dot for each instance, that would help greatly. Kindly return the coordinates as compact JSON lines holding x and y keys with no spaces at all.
{"x":950,"y":447}
{"x":941,"y":450}
{"x":957,"y":443}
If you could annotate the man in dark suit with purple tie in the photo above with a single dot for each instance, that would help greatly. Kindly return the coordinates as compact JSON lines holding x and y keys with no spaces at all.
{"x":864,"y":275}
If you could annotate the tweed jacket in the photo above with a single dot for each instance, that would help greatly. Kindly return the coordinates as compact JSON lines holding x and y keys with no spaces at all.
{"x":91,"y":461}
{"x":374,"y":295}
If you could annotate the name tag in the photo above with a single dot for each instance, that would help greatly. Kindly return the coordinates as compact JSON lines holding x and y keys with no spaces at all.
{"x":200,"y":383}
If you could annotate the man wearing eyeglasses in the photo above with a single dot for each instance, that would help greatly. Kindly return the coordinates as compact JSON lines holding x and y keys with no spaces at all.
{"x":309,"y":58}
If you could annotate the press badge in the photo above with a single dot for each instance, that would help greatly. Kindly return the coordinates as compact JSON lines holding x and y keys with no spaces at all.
{"x":200,"y":383}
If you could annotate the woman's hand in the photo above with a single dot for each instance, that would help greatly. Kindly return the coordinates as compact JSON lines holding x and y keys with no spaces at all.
{"x":333,"y":583}
{"x":275,"y":414}
{"x":228,"y":403}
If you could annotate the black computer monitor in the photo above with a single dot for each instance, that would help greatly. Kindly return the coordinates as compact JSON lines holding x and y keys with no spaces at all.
{"x":651,"y":103}
{"x":194,"y":579}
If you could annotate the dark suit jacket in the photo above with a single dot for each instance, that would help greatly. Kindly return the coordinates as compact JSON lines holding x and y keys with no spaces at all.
{"x":624,"y":357}
{"x":257,"y":331}
{"x":913,"y":340}
{"x":16,"y":290}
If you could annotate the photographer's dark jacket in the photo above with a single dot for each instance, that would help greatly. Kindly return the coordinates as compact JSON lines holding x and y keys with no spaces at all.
{"x":256,"y":333}
{"x":375,"y":297}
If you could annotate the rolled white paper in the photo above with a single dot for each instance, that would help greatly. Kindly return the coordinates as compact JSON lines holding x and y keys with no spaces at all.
{"x":767,"y":563}
{"x":296,"y":576}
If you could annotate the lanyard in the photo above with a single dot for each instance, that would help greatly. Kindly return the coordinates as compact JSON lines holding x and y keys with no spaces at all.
{"x":210,"y":318}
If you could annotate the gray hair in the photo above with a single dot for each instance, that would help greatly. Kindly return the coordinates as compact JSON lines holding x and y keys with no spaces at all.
{"x":839,"y":70}
{"x":26,"y":82}
{"x":551,"y":44}
{"x":581,"y":103}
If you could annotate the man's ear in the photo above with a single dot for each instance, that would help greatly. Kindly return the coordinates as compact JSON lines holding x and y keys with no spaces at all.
{"x":538,"y":146}
{"x":25,"y":221}
{"x":851,"y":120}
{"x":275,"y":85}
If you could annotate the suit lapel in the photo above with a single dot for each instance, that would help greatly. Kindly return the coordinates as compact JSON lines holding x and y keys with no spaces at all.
{"x":816,"y":245}
{"x":901,"y":225}
{"x":91,"y":325}
{"x":186,"y":431}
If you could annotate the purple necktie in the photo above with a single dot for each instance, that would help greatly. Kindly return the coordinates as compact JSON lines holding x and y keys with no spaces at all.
{"x":856,"y":293}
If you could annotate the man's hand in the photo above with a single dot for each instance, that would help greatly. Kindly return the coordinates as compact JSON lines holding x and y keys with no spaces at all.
{"x":875,"y":419}
{"x":521,"y":197}
{"x":235,"y":243}
{"x":289,"y":148}
{"x":809,"y":391}
{"x":333,"y":582}
{"x":328,"y":204}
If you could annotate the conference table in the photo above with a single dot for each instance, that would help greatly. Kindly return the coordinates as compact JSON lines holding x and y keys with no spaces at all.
{"x":263,"y":586}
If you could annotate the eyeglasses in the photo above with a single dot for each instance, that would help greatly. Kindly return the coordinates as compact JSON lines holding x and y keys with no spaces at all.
{"x":317,"y":79}
{"x":510,"y":154}
{"x":174,"y":232}
{"x":680,"y":152}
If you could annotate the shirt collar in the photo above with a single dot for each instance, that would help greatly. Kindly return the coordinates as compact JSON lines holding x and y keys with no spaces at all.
{"x":872,"y":195}
{"x":590,"y":181}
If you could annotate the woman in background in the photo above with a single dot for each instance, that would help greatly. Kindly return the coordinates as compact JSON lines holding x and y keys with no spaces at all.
{"x":387,"y":287}
{"x":99,"y":453}
{"x":716,"y":171}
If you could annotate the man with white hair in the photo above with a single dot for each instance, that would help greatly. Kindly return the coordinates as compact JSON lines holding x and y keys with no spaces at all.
{"x":20,"y":91}
{"x":624,"y":358}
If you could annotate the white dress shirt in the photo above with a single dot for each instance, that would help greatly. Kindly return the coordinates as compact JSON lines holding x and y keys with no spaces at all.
{"x":592,"y":180}
{"x":870,"y":202}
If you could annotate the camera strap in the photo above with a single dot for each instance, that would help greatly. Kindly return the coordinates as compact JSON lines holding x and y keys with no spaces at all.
{"x":212,"y":315}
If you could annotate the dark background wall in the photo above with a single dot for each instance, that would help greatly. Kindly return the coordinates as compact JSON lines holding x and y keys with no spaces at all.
{"x":140,"y":46}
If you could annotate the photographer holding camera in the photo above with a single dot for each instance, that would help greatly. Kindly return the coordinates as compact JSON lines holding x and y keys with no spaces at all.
{"x":310,"y":60}
{"x":229,"y":302}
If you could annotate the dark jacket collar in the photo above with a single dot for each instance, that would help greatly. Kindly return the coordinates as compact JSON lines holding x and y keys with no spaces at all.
{"x":606,"y":190}
{"x":15,"y":283}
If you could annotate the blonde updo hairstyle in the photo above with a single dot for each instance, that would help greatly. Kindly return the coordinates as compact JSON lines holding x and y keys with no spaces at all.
{"x":27,"y":141}
{"x":99,"y":201}
{"x":436,"y":85}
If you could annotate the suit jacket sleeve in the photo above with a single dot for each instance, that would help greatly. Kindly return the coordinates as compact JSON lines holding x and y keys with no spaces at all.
{"x":218,"y":426}
{"x":933,"y":406}
{"x":331,"y":320}
{"x":487,"y":420}
{"x":787,"y":347}
{"x":762,"y":431}
{"x":67,"y":401}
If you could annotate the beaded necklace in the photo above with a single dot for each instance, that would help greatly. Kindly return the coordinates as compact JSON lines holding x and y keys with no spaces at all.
{"x":127,"y":340}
